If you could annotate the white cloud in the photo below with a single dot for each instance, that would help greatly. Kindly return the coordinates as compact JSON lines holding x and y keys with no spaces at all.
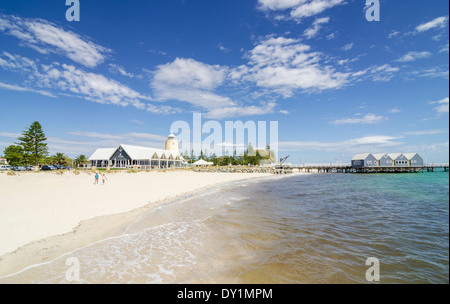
{"x":23,"y":89}
{"x":443,"y":105}
{"x":46,"y":37}
{"x":194,"y":82}
{"x":313,"y":7}
{"x":394,"y":110}
{"x":380,"y":73}
{"x":434,"y":72}
{"x":114,"y":68}
{"x":412,"y":56}
{"x":279,"y":4}
{"x":79,"y":83}
{"x":312,"y":31}
{"x":156,"y":52}
{"x":278,"y":65}
{"x":368,"y":119}
{"x":190,"y":81}
{"x":91,"y":86}
{"x":347,"y":47}
{"x":355,"y":145}
{"x":138,"y":122}
{"x":298,"y":8}
{"x":241,"y":111}
{"x":188,"y":73}
{"x":331,"y":36}
{"x":285,"y":65}
{"x":394,"y":34}
{"x":223,"y":48}
{"x":428,"y":132}
{"x":444,"y":49}
{"x":120,"y":137}
{"x":10,"y":135}
{"x":439,"y":22}
{"x":17,"y":63}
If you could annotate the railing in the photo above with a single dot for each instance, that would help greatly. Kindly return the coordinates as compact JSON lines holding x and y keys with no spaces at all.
{"x":433,"y":165}
{"x":322,"y":165}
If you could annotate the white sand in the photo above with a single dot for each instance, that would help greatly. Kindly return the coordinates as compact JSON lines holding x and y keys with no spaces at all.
{"x":34,"y":206}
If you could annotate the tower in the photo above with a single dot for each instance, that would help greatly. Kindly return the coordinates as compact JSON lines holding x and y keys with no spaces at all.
{"x":172,"y":143}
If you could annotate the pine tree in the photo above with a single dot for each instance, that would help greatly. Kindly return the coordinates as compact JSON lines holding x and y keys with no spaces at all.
{"x":33,"y":143}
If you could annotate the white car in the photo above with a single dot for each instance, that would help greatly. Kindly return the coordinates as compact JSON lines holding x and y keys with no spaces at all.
{"x":5,"y":167}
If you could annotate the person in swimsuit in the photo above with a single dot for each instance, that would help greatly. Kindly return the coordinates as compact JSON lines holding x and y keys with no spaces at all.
{"x":96,"y":178}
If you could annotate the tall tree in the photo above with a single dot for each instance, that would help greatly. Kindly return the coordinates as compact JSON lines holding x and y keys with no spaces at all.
{"x":33,"y":143}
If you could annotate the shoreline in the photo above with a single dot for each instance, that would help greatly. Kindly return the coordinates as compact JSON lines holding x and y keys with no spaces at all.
{"x":104,"y":226}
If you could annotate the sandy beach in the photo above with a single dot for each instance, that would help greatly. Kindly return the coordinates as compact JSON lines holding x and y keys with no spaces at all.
{"x":43,"y":215}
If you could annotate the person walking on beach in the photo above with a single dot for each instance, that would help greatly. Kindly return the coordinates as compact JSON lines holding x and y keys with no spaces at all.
{"x":104,"y":178}
{"x":96,"y":178}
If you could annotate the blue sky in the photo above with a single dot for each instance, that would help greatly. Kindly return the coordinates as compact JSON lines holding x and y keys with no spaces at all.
{"x":336,"y":83}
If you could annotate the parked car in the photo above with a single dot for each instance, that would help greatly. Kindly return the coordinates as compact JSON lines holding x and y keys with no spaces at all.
{"x":5,"y":167}
{"x":29,"y":168}
{"x":61,"y":167}
{"x":19,"y":168}
{"x":47,"y":168}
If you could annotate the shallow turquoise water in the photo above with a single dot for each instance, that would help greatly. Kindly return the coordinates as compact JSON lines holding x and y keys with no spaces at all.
{"x":318,"y":228}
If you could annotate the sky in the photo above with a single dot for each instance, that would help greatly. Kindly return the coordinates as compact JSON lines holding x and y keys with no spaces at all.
{"x":336,"y":83}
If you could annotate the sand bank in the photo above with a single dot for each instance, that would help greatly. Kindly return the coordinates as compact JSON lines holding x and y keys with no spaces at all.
{"x":40,"y":213}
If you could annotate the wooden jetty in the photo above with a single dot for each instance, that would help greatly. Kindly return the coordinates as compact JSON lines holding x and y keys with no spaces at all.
{"x":330,"y":168}
{"x":339,"y":168}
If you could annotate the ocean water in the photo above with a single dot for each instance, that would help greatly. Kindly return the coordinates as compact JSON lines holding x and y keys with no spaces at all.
{"x":318,"y":228}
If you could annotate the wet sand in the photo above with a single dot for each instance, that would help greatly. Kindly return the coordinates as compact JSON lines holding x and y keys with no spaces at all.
{"x":44,"y":215}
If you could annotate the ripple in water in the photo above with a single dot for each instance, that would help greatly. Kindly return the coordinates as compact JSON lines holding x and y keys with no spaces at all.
{"x":301,"y":229}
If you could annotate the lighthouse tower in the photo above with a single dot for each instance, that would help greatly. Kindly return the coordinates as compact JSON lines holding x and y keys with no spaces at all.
{"x":172,"y":143}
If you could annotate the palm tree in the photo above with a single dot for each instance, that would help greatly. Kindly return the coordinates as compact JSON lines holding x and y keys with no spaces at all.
{"x":81,"y":160}
{"x":60,"y":159}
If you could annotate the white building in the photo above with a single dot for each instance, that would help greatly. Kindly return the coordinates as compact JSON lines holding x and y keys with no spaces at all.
{"x":128,"y":156}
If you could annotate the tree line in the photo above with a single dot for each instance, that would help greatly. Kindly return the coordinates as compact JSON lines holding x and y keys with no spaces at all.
{"x":249,"y":157}
{"x":32,"y":149}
